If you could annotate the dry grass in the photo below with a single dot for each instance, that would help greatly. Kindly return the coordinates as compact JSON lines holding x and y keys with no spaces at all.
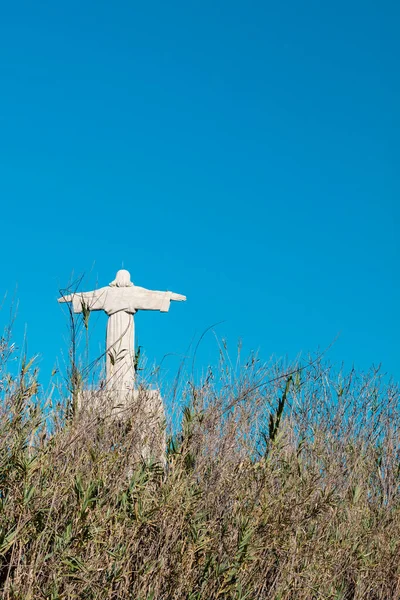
{"x":277,"y":486}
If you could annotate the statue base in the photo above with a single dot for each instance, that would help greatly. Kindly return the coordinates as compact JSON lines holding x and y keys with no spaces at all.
{"x":141,"y":411}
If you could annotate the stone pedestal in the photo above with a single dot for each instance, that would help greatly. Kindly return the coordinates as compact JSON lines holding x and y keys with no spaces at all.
{"x":141,"y":411}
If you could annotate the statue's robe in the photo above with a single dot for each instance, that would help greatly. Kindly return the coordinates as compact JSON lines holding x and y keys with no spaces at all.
{"x":120,"y":304}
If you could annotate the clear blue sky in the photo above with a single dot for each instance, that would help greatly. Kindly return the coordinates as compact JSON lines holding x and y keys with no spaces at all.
{"x":245,"y":154}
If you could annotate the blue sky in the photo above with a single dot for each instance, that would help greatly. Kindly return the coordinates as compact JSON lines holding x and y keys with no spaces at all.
{"x":242,"y":153}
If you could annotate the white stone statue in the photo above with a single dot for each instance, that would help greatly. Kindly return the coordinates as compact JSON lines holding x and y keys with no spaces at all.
{"x":121,"y":299}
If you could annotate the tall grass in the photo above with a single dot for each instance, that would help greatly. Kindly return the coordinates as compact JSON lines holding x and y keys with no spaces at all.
{"x":279,"y":484}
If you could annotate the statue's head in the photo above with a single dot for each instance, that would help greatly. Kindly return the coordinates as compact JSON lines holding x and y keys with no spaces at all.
{"x":122,"y":279}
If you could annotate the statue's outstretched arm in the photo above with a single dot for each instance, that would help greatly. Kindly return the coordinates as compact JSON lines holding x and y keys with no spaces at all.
{"x":93,"y":300}
{"x":153,"y":299}
{"x":155,"y":293}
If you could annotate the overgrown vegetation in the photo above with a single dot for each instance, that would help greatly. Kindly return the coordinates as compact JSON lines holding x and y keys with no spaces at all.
{"x":280,"y":483}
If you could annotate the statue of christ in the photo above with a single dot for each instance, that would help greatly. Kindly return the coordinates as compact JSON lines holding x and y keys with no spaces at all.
{"x":121,"y":299}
